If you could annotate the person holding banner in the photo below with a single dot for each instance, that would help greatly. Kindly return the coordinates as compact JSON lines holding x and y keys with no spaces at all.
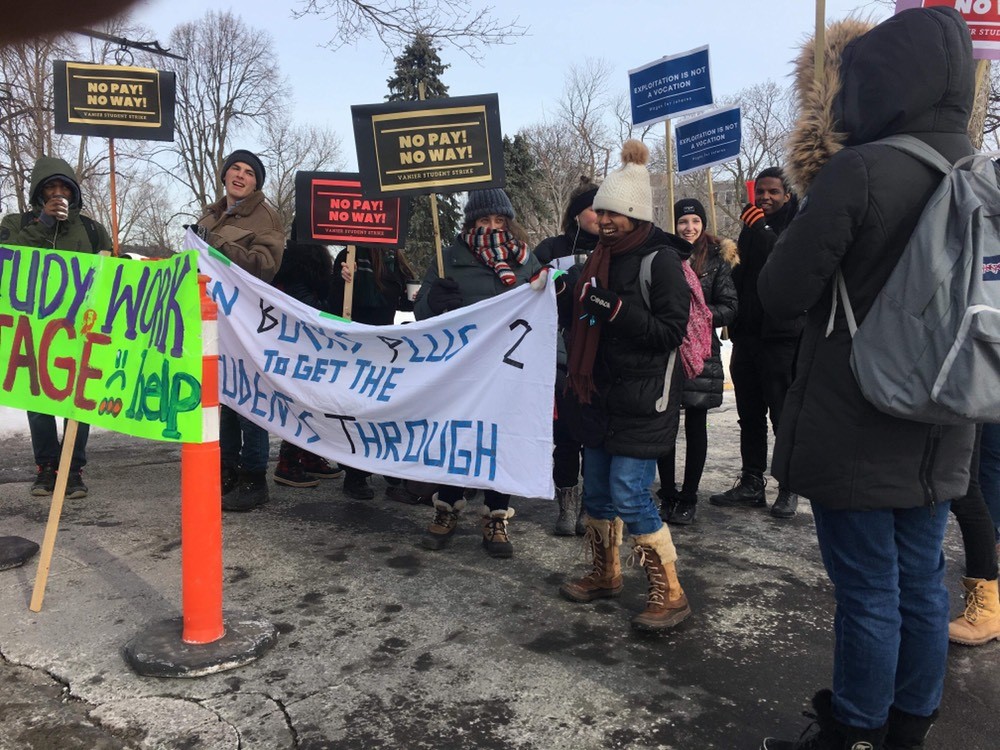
{"x":55,"y":221}
{"x":624,"y":388}
{"x":880,"y":486}
{"x":243,"y":227}
{"x":574,"y":245}
{"x":380,"y":277}
{"x":712,"y":260}
{"x":486,"y":259}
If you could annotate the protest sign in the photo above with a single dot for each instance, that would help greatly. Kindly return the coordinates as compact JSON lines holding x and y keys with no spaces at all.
{"x":408,"y":148}
{"x":981,"y":16}
{"x":463,"y":399}
{"x":670,"y":86}
{"x":113,"y":101}
{"x":330,"y":208}
{"x":111,"y":342}
{"x":709,"y":139}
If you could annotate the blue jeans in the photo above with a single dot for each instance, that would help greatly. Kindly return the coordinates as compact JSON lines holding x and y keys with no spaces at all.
{"x":242,"y":443}
{"x":989,"y":471}
{"x":618,"y":486}
{"x":46,"y":445}
{"x":891,"y":624}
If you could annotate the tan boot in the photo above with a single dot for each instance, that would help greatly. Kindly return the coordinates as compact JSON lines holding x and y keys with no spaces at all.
{"x":666,"y":604}
{"x":495,"y":538}
{"x":603,"y":540}
{"x":980,"y":623}
{"x":444,"y":524}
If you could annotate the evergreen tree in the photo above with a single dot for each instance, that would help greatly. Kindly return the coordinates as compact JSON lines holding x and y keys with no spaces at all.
{"x":523,"y":185}
{"x":420,"y":63}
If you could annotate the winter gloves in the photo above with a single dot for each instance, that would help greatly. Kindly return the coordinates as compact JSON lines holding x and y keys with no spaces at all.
{"x":752,"y":216}
{"x":444,"y":295}
{"x":600,"y":304}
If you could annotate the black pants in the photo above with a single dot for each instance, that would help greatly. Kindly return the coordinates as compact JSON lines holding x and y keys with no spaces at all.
{"x":566,"y":451}
{"x":492,"y":500}
{"x":695,"y":453}
{"x":976,"y":524}
{"x":762,"y":373}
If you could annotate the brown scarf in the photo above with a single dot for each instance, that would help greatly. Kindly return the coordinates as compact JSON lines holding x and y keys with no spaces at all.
{"x":584,"y":337}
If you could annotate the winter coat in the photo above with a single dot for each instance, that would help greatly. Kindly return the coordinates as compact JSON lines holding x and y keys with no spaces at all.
{"x":369,"y":304}
{"x":631,"y":362}
{"x":705,"y":390}
{"x":755,"y":246}
{"x":475,"y":280}
{"x":70,"y":234}
{"x":912,"y":74}
{"x":301,"y":276}
{"x":250,"y":234}
{"x":574,"y":242}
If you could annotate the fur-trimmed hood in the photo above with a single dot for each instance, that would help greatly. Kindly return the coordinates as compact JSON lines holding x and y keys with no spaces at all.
{"x":910,"y":74}
{"x":729,"y":252}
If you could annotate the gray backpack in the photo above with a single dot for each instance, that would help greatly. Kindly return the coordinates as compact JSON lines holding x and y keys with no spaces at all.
{"x":929,"y":348}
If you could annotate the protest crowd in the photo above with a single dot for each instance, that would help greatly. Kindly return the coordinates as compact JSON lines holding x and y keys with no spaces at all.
{"x":641,"y":313}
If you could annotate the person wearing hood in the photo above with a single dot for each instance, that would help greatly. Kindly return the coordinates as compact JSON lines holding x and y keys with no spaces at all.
{"x":624,"y":388}
{"x":763,"y":346}
{"x":54,"y":221}
{"x":243,"y":227}
{"x":574,"y":245}
{"x":879,"y":485}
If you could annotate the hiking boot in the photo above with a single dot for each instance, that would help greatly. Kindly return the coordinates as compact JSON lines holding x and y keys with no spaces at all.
{"x":75,"y":488}
{"x":669,"y":497}
{"x":829,"y":733}
{"x":445,"y":522}
{"x":230,"y":478}
{"x":786,"y":504}
{"x":400,"y":494}
{"x":45,"y":481}
{"x":292,"y":474}
{"x":747,"y":492}
{"x":250,"y":492}
{"x":356,"y":486}
{"x":980,"y":623}
{"x":581,"y":521}
{"x":569,"y":510}
{"x":603,"y":540}
{"x":666,"y":604}
{"x":318,"y":467}
{"x":495,"y":538}
{"x":685,"y":510}
{"x":907,"y":731}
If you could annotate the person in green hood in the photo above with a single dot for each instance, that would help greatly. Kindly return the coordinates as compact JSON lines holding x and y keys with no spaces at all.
{"x":55,"y":221}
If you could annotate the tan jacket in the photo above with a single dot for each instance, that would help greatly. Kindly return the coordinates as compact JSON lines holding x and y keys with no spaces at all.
{"x":251,"y":236}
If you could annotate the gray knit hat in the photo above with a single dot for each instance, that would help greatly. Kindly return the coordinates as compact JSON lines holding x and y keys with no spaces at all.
{"x":627,"y":191}
{"x":485,"y":202}
{"x":247,"y":157}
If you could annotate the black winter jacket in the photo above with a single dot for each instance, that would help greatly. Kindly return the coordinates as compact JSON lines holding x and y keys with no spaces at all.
{"x":912,"y":74}
{"x":631,"y":362}
{"x":705,"y":390}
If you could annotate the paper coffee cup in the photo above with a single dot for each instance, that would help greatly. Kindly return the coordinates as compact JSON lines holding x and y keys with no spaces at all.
{"x":412,"y":287}
{"x":63,"y":212}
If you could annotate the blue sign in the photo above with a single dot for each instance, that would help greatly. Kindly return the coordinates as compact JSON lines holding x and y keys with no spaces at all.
{"x":670,"y":86}
{"x":708,"y":140}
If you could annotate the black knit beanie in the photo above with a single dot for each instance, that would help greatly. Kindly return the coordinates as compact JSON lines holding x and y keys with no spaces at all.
{"x":247,"y":157}
{"x":686,"y":206}
{"x":485,"y":202}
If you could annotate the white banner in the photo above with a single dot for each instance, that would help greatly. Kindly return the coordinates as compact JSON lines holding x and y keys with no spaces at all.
{"x":462,"y":399}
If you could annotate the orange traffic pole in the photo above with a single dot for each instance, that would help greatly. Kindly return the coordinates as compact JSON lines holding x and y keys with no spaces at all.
{"x":201,"y":506}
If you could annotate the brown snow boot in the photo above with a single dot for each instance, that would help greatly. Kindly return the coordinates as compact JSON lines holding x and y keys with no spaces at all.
{"x":444,"y":524}
{"x":666,"y":604}
{"x":603,"y":540}
{"x":980,"y":623}
{"x":496,"y":542}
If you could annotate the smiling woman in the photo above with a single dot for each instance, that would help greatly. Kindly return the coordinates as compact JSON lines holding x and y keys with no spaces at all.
{"x":23,"y":21}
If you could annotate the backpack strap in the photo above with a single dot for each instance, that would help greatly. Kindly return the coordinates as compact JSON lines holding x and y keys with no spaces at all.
{"x":916,"y":148}
{"x":840,"y":290}
{"x":646,"y":277}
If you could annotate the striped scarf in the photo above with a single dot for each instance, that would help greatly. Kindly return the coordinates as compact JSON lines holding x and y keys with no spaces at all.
{"x":496,"y":249}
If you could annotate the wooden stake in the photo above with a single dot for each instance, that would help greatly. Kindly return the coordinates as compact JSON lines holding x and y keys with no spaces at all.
{"x":820,"y":48}
{"x":55,"y":511}
{"x":711,"y":202}
{"x":114,"y":199}
{"x":979,"y":103}
{"x":670,"y":178}
{"x":421,"y":91}
{"x":349,"y":288}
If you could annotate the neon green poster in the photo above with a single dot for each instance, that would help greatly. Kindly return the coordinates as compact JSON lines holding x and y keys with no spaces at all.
{"x":112,"y":342}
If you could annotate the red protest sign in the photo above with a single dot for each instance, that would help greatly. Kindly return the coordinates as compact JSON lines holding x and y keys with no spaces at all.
{"x":331,"y":209}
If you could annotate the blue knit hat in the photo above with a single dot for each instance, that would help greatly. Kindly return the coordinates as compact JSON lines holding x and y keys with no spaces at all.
{"x":485,"y":202}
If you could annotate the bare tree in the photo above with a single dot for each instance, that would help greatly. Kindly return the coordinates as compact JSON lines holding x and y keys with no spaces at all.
{"x":394,"y":22}
{"x":230,"y":84}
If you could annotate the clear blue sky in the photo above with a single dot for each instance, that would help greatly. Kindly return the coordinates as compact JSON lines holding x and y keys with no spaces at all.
{"x":749,"y":42}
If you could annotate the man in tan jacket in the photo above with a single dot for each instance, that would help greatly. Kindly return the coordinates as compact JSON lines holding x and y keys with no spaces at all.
{"x":243,"y":227}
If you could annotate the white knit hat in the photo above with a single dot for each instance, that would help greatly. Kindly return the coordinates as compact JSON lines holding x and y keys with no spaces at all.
{"x":628,"y":191}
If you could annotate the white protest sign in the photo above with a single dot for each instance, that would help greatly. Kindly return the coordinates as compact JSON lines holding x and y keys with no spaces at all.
{"x":462,"y":399}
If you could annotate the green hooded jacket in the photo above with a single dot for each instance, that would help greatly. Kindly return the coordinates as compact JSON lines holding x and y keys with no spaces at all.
{"x":71,"y":234}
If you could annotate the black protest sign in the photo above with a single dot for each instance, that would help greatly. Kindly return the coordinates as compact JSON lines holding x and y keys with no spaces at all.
{"x":113,"y":101}
{"x":331,"y":209}
{"x":448,"y":145}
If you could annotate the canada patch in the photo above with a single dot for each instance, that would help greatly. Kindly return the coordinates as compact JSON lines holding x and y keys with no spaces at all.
{"x":991,"y":268}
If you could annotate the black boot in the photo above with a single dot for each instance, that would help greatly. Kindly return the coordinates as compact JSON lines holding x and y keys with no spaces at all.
{"x":669,"y":497}
{"x":830,"y":734}
{"x":907,"y":731}
{"x":250,"y":492}
{"x":685,"y":510}
{"x":786,"y":504}
{"x":747,"y":492}
{"x":356,"y":485}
